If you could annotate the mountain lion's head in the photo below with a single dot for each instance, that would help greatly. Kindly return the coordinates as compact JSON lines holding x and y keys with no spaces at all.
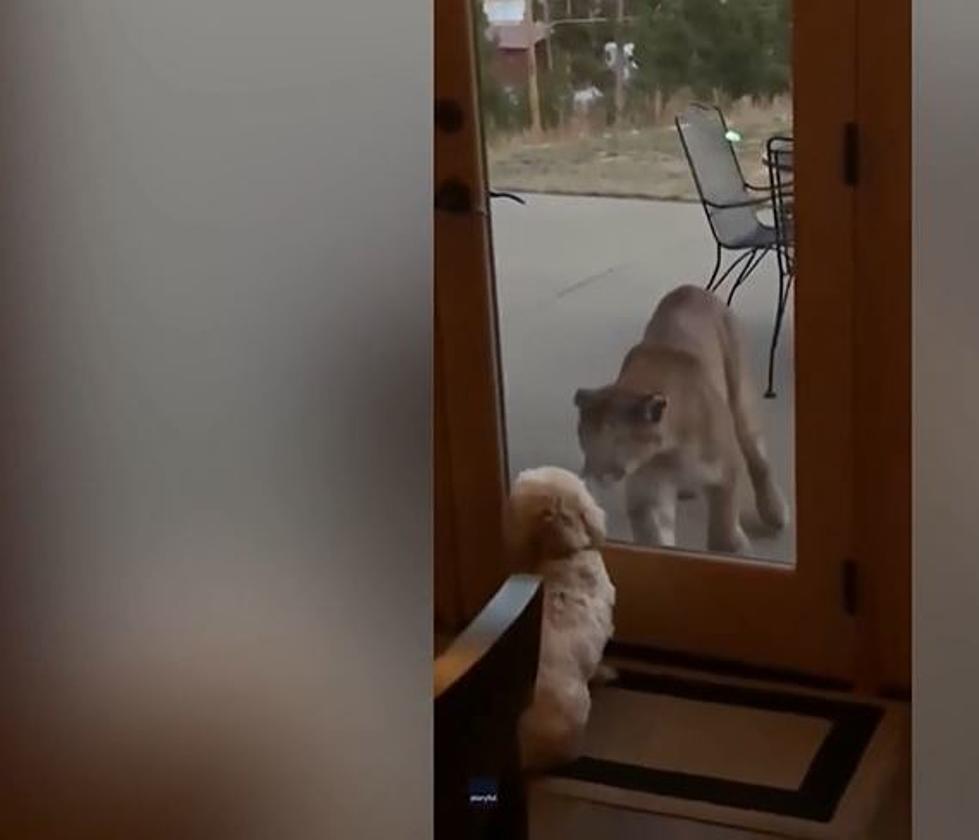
{"x":618,"y":431}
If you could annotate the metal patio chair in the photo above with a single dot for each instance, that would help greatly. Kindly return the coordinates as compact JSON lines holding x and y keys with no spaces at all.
{"x":732,"y":207}
{"x":780,"y":158}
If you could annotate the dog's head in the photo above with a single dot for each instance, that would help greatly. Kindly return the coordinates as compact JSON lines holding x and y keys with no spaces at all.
{"x":618,"y":431}
{"x":551,"y":514}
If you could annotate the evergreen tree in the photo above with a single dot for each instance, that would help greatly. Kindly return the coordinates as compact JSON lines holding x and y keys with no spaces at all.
{"x":730,"y":48}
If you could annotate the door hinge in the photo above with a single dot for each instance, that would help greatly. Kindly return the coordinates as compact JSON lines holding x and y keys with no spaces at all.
{"x":849,"y":587}
{"x":851,"y":154}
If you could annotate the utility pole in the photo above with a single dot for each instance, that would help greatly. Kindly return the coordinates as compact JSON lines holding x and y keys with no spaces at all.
{"x":620,"y":60}
{"x":619,"y":67}
{"x":549,"y":54}
{"x":546,"y":7}
{"x":533,"y":91}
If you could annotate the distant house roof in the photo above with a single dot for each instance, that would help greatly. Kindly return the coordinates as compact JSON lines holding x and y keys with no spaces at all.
{"x":516,"y":36}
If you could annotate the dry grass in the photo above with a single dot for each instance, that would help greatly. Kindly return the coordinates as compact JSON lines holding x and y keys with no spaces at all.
{"x":638,"y":162}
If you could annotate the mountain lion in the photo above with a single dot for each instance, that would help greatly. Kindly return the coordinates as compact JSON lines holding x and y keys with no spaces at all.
{"x":678,"y":420}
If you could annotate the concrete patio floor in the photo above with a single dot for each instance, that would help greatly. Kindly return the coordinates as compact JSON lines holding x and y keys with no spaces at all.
{"x":577,"y":279}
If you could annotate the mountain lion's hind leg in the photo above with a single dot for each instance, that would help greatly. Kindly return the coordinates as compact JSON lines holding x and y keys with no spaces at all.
{"x":724,"y":532}
{"x":772,"y":508}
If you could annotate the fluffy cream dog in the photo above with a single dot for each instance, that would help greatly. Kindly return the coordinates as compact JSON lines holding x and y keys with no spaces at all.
{"x":555,"y":528}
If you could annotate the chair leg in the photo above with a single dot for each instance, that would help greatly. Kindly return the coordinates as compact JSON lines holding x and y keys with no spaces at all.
{"x":784,"y":287}
{"x":754,"y":260}
{"x":717,"y":267}
{"x":720,"y":280}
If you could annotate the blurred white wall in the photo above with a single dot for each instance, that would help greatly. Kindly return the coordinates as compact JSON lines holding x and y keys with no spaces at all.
{"x":946,"y":419}
{"x":202,"y":204}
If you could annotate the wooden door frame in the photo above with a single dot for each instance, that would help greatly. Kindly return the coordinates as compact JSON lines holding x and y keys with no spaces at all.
{"x":468,"y":439}
{"x":880,"y":311}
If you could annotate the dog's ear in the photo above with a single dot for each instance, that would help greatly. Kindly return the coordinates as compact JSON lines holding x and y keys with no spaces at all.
{"x":594,"y":520}
{"x":547,"y":507}
{"x":520,"y":541}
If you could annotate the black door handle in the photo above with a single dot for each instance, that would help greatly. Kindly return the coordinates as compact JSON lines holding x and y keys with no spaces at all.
{"x":453,"y":196}
{"x":511,"y":196}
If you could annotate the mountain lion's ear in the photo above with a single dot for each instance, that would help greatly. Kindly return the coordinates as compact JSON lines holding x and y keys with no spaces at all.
{"x":651,"y":407}
{"x":584,"y":397}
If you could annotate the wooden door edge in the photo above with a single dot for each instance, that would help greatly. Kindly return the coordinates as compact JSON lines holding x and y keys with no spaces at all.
{"x":468,"y":373}
{"x":883,"y":355}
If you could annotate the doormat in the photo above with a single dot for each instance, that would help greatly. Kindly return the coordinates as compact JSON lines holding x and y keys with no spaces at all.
{"x":735,"y":752}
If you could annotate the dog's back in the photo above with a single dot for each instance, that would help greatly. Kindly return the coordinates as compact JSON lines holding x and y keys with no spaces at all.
{"x":556,"y":528}
{"x":577,"y":624}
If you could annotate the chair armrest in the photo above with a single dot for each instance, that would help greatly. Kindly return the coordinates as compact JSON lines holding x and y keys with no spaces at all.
{"x":751,"y":202}
{"x":519,"y":595}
